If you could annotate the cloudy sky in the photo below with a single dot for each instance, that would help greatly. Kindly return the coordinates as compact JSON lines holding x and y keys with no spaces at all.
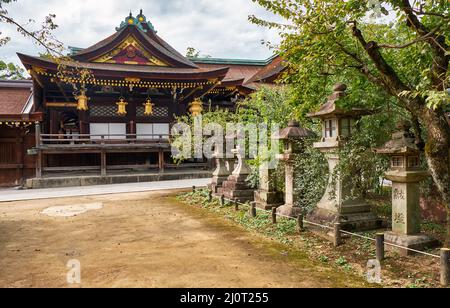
{"x":216,"y":28}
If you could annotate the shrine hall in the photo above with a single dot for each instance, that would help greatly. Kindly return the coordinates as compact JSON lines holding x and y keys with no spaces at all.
{"x":109,"y":108}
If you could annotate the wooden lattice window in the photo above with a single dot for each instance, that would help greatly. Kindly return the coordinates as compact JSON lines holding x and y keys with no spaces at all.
{"x":397,"y":161}
{"x":413,"y":162}
{"x":330,"y":128}
{"x":103,"y":111}
{"x":158,"y":112}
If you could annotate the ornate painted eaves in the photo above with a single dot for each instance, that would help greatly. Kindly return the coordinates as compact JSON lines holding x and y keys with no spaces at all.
{"x":130,"y":52}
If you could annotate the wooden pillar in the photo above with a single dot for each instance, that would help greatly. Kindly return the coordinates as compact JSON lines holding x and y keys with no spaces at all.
{"x":103,"y":163}
{"x":161,"y":160}
{"x":20,"y":156}
{"x":39,"y":152}
{"x":82,"y":129}
{"x":37,"y":128}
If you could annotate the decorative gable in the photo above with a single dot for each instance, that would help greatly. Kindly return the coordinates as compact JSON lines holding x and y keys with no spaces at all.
{"x":130,"y":52}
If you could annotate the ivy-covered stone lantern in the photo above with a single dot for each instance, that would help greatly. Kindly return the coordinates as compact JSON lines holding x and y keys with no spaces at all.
{"x":338,"y":204}
{"x":290,"y":137}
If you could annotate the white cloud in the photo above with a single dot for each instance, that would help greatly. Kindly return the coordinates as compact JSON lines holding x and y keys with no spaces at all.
{"x":217,"y":28}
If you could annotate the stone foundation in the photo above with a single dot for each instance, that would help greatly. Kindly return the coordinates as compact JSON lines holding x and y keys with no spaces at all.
{"x":92,"y":180}
{"x":289,"y":211}
{"x":349,"y":222}
{"x":267,"y":200}
{"x":418,"y":242}
{"x":216,"y":185}
{"x":236,"y":188}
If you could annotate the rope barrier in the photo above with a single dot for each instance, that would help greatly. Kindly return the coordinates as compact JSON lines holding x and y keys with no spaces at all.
{"x":413,"y":250}
{"x":359,"y":235}
{"x":342,"y":231}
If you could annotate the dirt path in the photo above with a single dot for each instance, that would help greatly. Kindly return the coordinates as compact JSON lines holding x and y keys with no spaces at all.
{"x":146,"y":240}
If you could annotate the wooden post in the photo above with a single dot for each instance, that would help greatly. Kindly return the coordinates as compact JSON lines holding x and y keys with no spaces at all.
{"x":253,"y":209}
{"x":300,"y":223}
{"x":210,"y":196}
{"x":337,"y":235}
{"x":103,"y":163}
{"x":274,"y":215}
{"x":380,"y":247}
{"x":445,"y":267}
{"x":222,"y":200}
{"x":37,"y":128}
{"x":161,"y":160}
{"x":133,"y":131}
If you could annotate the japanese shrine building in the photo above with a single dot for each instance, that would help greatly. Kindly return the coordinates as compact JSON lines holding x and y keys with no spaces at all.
{"x":111,"y":106}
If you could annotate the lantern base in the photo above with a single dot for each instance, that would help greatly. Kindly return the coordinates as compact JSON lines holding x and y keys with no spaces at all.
{"x":267,"y":200}
{"x":236,"y":188}
{"x":289,"y":211}
{"x":419,"y":242}
{"x":216,"y":184}
{"x":362,"y":221}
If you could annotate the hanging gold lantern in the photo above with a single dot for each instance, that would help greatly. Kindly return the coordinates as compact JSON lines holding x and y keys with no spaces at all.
{"x":196,"y":107}
{"x":148,"y":107}
{"x":82,"y":101}
{"x":122,"y":107}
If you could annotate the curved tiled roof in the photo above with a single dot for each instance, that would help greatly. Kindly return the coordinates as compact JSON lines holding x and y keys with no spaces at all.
{"x":142,"y":70}
{"x":150,"y":41}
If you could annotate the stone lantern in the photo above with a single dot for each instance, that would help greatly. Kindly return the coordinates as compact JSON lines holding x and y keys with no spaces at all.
{"x":224,"y":168}
{"x":406,"y":174}
{"x":236,"y":186}
{"x":338,"y":125}
{"x":290,"y":137}
{"x":267,"y":197}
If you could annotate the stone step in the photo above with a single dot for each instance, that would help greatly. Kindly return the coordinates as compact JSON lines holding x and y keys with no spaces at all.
{"x":355,"y":208}
{"x":231,"y":185}
{"x":231,"y":194}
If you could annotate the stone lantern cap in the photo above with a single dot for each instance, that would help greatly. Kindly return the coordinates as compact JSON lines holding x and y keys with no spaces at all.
{"x":402,"y":142}
{"x":330,"y":108}
{"x":293,"y":131}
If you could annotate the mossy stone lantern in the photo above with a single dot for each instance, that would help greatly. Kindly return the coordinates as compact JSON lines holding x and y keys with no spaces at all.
{"x":290,"y":137}
{"x":236,"y":187}
{"x":338,"y":124}
{"x":338,"y":204}
{"x":405,"y":173}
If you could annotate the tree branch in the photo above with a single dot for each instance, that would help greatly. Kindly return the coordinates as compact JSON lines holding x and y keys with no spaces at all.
{"x":436,"y":41}
{"x":420,"y":11}
{"x":30,"y":34}
{"x":387,"y":74}
{"x":420,"y":39}
{"x":363,"y":68}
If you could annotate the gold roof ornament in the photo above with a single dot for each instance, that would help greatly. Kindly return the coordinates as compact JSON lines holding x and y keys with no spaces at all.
{"x":148,"y":107}
{"x":82,"y":100}
{"x":122,"y":107}
{"x":196,"y":107}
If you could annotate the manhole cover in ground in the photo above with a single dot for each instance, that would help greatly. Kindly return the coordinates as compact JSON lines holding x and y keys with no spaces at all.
{"x":71,"y":210}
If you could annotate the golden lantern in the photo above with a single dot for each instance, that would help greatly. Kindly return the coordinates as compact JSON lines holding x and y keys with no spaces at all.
{"x":122,"y":107}
{"x":82,"y":101}
{"x":196,"y":107}
{"x":148,"y":107}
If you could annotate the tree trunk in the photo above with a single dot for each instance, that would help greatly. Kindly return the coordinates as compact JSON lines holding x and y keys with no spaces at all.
{"x":437,"y":154}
